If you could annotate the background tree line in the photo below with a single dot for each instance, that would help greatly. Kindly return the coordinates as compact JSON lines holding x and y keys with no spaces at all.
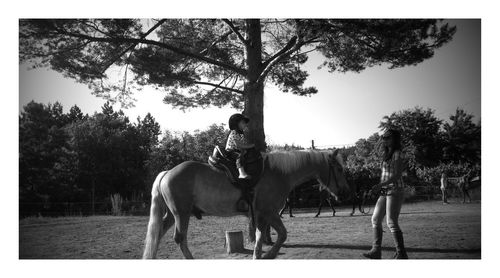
{"x":71,"y":163}
{"x":431,"y":146}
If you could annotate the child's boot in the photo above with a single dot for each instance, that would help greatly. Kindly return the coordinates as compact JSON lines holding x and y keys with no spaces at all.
{"x":243,"y":173}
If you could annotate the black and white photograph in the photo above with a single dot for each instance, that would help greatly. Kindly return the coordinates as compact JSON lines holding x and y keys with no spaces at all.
{"x":230,"y":138}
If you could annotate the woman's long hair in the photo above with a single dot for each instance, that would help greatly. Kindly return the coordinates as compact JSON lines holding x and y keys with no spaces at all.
{"x":387,"y":152}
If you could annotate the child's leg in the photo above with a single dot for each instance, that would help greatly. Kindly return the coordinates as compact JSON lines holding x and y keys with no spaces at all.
{"x":240,"y":164}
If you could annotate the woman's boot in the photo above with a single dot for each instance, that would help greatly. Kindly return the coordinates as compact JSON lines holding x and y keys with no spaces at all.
{"x":400,"y":246}
{"x":376,"y":251}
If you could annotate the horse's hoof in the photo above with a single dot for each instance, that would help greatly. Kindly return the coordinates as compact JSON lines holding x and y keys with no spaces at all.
{"x":269,"y":256}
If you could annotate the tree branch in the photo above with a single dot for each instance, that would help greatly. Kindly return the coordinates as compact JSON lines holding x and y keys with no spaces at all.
{"x":218,"y":86}
{"x":290,"y":47}
{"x":220,"y":83}
{"x":305,"y":52}
{"x":287,"y":47}
{"x":156,"y":43}
{"x":132,"y":46}
{"x":210,"y":84}
{"x":235,"y":30}
{"x":40,"y":54}
{"x":224,"y":36}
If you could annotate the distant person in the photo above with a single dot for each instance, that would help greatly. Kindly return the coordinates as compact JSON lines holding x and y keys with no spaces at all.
{"x":444,"y":186}
{"x":464,"y":185}
{"x":391,"y":196}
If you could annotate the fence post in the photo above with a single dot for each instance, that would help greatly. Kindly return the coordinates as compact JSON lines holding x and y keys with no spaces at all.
{"x":93,"y":196}
{"x":312,"y":145}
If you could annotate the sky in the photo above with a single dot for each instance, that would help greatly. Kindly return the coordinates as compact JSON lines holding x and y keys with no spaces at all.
{"x":347,"y":107}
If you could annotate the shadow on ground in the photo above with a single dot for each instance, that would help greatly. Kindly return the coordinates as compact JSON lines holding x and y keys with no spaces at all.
{"x":367,"y":247}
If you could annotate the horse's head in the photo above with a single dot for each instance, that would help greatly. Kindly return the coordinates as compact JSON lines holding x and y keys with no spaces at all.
{"x":334,"y":178}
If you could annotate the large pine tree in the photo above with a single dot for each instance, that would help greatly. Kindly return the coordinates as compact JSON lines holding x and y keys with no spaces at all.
{"x":218,"y":62}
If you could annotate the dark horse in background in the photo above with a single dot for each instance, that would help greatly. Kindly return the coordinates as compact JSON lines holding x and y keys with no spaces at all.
{"x":359,"y":195}
{"x":466,"y":183}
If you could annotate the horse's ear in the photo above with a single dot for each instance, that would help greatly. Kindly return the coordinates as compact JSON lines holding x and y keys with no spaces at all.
{"x":335,"y":152}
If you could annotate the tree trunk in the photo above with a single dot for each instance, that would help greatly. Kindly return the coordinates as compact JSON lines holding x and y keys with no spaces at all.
{"x":254,"y":91}
{"x":254,"y":109}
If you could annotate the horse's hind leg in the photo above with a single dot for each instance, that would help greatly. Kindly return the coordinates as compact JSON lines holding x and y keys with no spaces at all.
{"x":277,"y":224}
{"x":168,"y":222}
{"x":354,"y":202}
{"x":362,"y":202}
{"x":180,"y":234}
{"x":466,"y":193}
{"x":330,"y":202}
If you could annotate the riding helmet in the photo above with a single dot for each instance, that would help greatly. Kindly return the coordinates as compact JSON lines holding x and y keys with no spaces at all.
{"x":235,"y":119}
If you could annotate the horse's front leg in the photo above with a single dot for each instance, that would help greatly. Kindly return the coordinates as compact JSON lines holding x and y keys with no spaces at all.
{"x":266,"y":234}
{"x":277,"y":225}
{"x":320,"y":205}
{"x":257,"y":250}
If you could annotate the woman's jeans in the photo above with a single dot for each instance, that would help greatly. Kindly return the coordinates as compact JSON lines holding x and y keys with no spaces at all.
{"x":390,"y":205}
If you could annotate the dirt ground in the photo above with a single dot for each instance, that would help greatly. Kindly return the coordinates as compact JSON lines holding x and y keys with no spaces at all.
{"x":432,"y":231}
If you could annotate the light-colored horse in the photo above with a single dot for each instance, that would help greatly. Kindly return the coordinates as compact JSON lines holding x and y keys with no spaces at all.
{"x":194,"y":185}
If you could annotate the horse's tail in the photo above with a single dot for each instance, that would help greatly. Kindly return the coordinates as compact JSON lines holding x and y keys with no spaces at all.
{"x":158,"y":210}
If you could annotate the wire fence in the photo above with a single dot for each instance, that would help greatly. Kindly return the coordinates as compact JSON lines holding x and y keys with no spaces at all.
{"x":83,"y":208}
{"x":307,"y":197}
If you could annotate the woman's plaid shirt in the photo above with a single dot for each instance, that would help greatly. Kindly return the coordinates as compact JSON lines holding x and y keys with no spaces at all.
{"x":388,"y":169}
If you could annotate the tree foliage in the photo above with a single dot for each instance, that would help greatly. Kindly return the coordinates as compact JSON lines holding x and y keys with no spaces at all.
{"x":183,"y":55}
{"x":219,"y":62}
{"x":430,"y":146}
{"x":67,"y":160}
{"x":462,"y":138}
{"x":421,"y":139}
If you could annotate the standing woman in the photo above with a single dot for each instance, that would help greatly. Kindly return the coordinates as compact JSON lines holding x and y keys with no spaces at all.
{"x":444,"y":185}
{"x":391,"y":196}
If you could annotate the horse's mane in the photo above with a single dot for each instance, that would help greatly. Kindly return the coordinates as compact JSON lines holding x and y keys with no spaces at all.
{"x":290,"y":161}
